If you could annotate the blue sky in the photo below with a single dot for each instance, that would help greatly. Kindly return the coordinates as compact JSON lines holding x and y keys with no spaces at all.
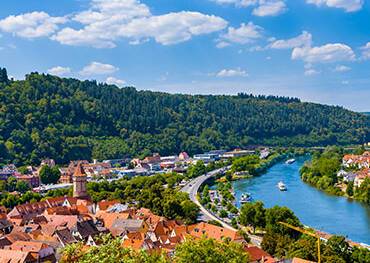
{"x":317,"y":50}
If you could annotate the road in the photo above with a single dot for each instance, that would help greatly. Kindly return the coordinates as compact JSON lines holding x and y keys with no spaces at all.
{"x":192,"y":189}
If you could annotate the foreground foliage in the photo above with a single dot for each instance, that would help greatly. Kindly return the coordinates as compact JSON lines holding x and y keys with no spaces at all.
{"x":283,"y":242}
{"x":202,"y":250}
{"x":67,"y":119}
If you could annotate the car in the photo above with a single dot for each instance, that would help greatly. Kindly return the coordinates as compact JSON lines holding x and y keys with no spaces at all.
{"x":190,"y":185}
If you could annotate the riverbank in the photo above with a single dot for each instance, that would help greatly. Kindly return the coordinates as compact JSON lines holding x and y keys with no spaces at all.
{"x":327,"y":171}
{"x":315,"y":208}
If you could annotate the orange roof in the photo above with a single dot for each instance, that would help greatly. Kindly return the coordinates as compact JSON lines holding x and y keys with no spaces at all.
{"x":299,"y":260}
{"x":216,"y":232}
{"x":109,"y":218}
{"x":104,"y":205}
{"x":13,"y":256}
{"x":28,"y":246}
{"x":133,"y":243}
{"x":256,"y":253}
{"x":79,"y":171}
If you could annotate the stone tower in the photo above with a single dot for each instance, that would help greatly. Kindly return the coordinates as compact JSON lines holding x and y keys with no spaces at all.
{"x":79,"y":183}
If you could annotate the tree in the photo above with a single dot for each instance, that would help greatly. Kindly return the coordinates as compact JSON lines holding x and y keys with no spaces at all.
{"x":209,"y":251}
{"x":49,"y":175}
{"x":252,"y":214}
{"x":22,"y":187}
{"x":11,"y":184}
{"x":278,"y":214}
{"x":337,"y":247}
{"x":110,"y":250}
{"x":248,"y":163}
{"x":349,"y":189}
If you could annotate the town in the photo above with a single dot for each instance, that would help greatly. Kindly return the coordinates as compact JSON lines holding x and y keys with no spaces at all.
{"x":36,"y":231}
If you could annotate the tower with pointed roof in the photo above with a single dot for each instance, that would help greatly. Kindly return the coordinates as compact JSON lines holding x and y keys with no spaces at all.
{"x":79,"y":183}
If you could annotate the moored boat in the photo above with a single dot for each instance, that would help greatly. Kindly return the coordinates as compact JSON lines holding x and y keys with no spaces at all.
{"x":246,"y":198}
{"x":282,"y":186}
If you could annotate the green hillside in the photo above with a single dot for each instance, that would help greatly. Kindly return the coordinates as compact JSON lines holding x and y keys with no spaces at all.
{"x":46,"y":116}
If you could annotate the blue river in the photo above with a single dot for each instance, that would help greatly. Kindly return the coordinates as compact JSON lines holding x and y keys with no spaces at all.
{"x":331,"y":214}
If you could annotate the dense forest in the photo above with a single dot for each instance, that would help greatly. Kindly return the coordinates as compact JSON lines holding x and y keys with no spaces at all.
{"x":65,"y":119}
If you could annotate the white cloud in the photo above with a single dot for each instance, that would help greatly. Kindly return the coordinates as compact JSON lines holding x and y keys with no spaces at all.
{"x":59,"y":71}
{"x":246,"y":33}
{"x":31,"y":25}
{"x":172,"y":28}
{"x":238,"y":3}
{"x":232,"y":73}
{"x":97,"y":68}
{"x":109,"y":21}
{"x":326,"y":53}
{"x":303,"y":40}
{"x":311,"y":72}
{"x":115,"y":81}
{"x":261,"y":7}
{"x":348,"y":5}
{"x":270,"y":8}
{"x":341,"y":68}
{"x":366,"y":51}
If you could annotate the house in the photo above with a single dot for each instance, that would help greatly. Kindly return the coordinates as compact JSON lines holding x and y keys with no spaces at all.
{"x":257,"y":255}
{"x":264,"y":153}
{"x":359,"y":161}
{"x":361,"y":177}
{"x":215,"y":232}
{"x":15,"y":256}
{"x":32,"y":180}
{"x":65,"y":237}
{"x":236,"y":153}
{"x":5,"y":225}
{"x":48,"y":162}
{"x":39,"y":250}
{"x":299,"y":260}
{"x":183,"y":156}
{"x":122,"y":226}
{"x":84,"y":230}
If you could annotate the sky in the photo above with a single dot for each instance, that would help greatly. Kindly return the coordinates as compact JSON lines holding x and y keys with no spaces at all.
{"x":316,"y":50}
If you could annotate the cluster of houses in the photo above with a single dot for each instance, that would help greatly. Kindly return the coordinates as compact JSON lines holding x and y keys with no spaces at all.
{"x":359,"y":166}
{"x":115,"y":169}
{"x":35,"y":232}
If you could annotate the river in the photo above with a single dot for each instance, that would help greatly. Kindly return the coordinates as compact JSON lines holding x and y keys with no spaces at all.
{"x":332,"y":214}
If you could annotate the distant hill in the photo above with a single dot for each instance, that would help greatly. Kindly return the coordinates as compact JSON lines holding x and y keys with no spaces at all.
{"x":47,"y":116}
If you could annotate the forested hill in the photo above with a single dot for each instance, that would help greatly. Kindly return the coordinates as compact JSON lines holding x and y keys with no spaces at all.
{"x":46,"y":116}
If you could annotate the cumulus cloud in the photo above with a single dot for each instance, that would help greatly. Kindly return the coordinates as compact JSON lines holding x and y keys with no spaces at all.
{"x":348,"y":5}
{"x":246,"y":33}
{"x":227,"y":73}
{"x":324,"y":54}
{"x":261,"y":7}
{"x":108,"y":21}
{"x":31,"y":25}
{"x":342,"y":68}
{"x":97,"y":68}
{"x":115,"y":81}
{"x":59,"y":71}
{"x":366,"y":51}
{"x":303,"y":40}
{"x":270,"y":8}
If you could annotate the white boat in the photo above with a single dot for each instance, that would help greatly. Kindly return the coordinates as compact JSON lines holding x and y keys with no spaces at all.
{"x":246,"y":198}
{"x":282,"y":186}
{"x":290,"y":161}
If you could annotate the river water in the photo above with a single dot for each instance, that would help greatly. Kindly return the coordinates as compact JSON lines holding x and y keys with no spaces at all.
{"x":332,"y":214}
